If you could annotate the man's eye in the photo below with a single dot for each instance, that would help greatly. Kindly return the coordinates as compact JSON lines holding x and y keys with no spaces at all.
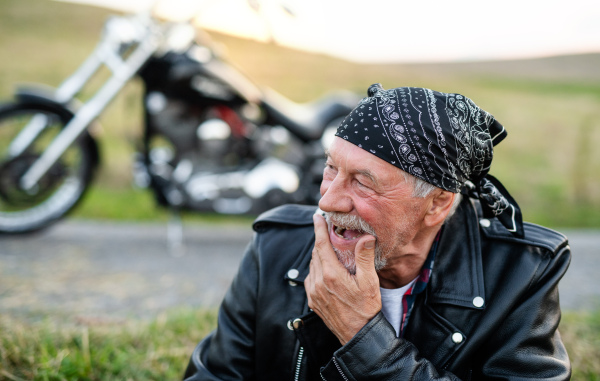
{"x":361,"y":184}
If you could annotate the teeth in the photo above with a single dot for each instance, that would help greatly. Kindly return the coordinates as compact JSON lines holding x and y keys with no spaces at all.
{"x":339,"y":231}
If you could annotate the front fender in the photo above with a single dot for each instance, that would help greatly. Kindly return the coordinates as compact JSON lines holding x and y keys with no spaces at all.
{"x":43,"y":95}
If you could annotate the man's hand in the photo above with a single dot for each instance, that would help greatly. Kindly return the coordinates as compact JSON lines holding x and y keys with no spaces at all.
{"x":344,"y":301}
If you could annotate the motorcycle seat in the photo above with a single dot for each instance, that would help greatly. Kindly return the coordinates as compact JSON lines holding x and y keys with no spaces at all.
{"x":307,"y":120}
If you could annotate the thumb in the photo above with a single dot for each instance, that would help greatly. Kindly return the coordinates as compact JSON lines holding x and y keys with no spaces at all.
{"x":365,"y":254}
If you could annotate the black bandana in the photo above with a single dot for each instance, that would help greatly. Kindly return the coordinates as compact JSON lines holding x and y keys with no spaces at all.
{"x":443,"y":139}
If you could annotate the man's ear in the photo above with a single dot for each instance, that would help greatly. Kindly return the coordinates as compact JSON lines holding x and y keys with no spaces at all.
{"x":440,"y":206}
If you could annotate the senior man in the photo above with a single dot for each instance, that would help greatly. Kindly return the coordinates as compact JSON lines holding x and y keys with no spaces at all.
{"x":420,"y":269}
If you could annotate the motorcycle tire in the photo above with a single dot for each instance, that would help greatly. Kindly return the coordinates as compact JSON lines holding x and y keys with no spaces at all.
{"x":60,"y":189}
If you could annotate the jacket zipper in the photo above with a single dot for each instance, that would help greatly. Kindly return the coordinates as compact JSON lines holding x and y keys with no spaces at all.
{"x":340,"y":369}
{"x":299,"y":364}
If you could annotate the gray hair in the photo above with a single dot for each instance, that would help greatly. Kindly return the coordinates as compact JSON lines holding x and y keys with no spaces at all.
{"x":422,"y":189}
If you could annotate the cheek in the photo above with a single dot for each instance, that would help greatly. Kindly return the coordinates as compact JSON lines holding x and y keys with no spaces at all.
{"x":387,"y":218}
{"x":369,"y":211}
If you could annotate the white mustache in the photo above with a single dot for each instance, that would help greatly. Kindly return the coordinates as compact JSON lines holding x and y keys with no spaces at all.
{"x":349,"y":221}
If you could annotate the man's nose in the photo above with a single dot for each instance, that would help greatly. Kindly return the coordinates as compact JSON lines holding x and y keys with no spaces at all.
{"x":334,"y":197}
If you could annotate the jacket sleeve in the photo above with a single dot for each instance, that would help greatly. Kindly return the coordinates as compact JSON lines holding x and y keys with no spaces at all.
{"x":377,"y":354}
{"x":526,"y":345}
{"x":228,"y":352}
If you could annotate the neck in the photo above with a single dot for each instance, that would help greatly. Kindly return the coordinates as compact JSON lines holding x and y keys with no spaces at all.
{"x":402,"y":268}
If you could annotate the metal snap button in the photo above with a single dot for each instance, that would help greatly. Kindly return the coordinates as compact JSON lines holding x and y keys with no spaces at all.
{"x":297,"y":323}
{"x":289,"y":325}
{"x":457,"y":337}
{"x":292,"y":283}
{"x":478,"y":301}
{"x":485,"y":223}
{"x":293,"y":274}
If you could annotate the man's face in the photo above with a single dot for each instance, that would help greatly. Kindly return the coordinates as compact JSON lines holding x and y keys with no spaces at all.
{"x":359,"y":184}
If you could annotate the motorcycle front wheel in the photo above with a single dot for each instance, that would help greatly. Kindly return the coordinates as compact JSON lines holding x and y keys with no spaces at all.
{"x":59,"y":190}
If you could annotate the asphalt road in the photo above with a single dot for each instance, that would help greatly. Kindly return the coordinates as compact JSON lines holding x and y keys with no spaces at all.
{"x":112,"y":271}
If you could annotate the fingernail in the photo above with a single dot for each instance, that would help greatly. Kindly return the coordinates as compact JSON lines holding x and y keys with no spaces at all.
{"x":370,"y":244}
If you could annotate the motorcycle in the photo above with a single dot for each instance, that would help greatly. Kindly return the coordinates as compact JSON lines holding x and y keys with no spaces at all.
{"x":212,"y":140}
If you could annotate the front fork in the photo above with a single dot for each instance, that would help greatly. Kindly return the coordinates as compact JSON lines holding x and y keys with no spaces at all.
{"x":122,"y":70}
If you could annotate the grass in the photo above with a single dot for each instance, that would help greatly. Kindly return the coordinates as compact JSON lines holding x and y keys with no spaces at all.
{"x":549,"y":106}
{"x":159,"y":349}
{"x":581,"y":335}
{"x":102,"y":203}
{"x":101,"y":350}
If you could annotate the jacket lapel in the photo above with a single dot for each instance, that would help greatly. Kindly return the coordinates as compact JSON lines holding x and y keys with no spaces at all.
{"x":455,"y":292}
{"x":301,"y":266}
{"x":457,"y":276}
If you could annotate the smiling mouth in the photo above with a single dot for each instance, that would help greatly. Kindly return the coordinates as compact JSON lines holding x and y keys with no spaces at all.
{"x":347,"y":234}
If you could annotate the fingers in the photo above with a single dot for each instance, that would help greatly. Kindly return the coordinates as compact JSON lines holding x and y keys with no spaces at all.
{"x":309,"y":284}
{"x":321,"y":231}
{"x":323,"y":250}
{"x":316,"y":271}
{"x":365,"y":254}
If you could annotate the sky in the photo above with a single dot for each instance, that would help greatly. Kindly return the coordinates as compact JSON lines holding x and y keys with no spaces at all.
{"x":380,"y":31}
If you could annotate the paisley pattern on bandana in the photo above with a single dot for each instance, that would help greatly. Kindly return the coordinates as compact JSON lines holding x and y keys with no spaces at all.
{"x":493,"y":197}
{"x":442,"y":138}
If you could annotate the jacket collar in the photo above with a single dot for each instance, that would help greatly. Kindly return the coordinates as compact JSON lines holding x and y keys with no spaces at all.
{"x":301,"y":266}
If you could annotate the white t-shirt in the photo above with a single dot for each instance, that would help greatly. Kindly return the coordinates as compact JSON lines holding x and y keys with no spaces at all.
{"x":391,"y":304}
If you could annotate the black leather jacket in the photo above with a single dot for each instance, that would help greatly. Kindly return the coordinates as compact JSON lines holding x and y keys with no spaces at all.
{"x":490,"y":311}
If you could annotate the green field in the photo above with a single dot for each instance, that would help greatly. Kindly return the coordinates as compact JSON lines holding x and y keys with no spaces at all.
{"x":549,"y":106}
